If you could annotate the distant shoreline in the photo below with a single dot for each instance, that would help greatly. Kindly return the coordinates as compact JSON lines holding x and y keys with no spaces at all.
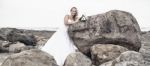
{"x":55,"y":28}
{"x":36,"y":28}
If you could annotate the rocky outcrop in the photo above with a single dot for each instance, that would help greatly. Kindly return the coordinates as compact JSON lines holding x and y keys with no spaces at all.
{"x":128,"y":58}
{"x":113,"y":27}
{"x":101,"y":53}
{"x":32,"y":57}
{"x":77,"y":59}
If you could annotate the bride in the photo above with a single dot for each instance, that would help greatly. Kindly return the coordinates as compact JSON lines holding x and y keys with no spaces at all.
{"x":60,"y":45}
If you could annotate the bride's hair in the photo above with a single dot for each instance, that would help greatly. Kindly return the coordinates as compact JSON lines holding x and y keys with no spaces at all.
{"x":74,"y":17}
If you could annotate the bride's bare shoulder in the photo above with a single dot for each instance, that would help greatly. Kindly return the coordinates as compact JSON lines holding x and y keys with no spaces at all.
{"x":66,"y":15}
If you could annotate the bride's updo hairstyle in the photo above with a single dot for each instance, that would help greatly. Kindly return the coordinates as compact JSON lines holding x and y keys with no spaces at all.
{"x":75,"y":11}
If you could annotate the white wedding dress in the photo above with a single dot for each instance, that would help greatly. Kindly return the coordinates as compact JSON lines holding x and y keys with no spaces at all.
{"x":60,"y":45}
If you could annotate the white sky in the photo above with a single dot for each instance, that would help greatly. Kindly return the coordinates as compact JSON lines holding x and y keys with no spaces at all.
{"x":50,"y":13}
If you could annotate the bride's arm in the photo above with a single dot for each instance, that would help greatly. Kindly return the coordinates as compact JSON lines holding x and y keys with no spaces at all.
{"x":77,"y":20}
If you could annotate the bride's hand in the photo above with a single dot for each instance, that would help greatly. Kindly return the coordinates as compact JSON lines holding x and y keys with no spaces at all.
{"x":76,"y":20}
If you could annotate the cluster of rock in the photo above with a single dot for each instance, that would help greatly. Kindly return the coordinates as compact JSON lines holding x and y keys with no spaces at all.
{"x":14,"y":40}
{"x":113,"y":38}
{"x":109,"y":39}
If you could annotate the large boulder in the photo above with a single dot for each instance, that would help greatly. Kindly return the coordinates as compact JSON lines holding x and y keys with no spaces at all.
{"x":113,"y":27}
{"x":128,"y":58}
{"x":18,"y":47}
{"x":15,"y":48}
{"x":32,"y":57}
{"x":77,"y":59}
{"x":101,"y":53}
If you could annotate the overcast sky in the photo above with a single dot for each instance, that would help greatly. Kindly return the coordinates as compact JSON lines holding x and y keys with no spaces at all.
{"x":50,"y":13}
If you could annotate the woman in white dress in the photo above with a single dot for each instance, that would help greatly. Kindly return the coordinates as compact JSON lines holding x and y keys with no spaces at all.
{"x":60,"y":45}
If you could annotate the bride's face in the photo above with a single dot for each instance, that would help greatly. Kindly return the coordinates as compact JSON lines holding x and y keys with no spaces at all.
{"x":73,"y":11}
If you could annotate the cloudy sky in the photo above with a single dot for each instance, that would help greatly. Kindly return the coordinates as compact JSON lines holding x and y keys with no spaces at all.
{"x":50,"y":13}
